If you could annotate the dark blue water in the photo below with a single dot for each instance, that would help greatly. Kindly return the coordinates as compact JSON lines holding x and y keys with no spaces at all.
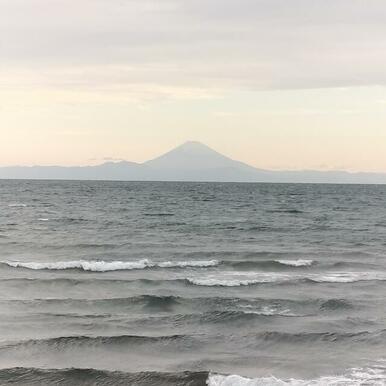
{"x":122,"y":283}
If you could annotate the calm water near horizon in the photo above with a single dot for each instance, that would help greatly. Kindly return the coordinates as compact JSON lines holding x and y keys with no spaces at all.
{"x":130,"y":283}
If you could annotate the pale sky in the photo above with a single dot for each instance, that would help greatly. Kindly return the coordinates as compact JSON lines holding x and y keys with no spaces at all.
{"x":281,"y":84}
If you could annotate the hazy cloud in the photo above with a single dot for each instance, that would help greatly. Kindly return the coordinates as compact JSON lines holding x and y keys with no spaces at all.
{"x":128,"y":45}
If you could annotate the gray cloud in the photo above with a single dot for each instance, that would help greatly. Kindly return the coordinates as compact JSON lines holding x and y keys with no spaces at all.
{"x":211,"y":44}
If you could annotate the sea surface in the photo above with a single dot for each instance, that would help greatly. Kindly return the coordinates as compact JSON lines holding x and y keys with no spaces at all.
{"x":128,"y":283}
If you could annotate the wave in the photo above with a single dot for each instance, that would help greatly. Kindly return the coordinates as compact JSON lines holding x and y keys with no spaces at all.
{"x":271,"y":311}
{"x":168,"y":303}
{"x":163,"y":303}
{"x":225,"y":317}
{"x":236,"y":307}
{"x":177,"y":308}
{"x":17,"y":205}
{"x":69,"y":377}
{"x":296,"y":263}
{"x":158,"y":214}
{"x":347,"y":277}
{"x":104,"y":266}
{"x":70,"y":282}
{"x":269,"y":264}
{"x":275,"y":337}
{"x":336,"y":304}
{"x":143,"y":300}
{"x":150,"y":300}
{"x":289,"y":211}
{"x":64,"y":342}
{"x":241,"y":279}
{"x":213,"y":282}
{"x":353,"y":264}
{"x":219,"y":317}
{"x":265,"y":311}
{"x":375,"y":376}
{"x":221,"y":279}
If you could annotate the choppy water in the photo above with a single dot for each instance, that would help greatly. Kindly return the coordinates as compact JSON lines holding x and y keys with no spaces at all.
{"x":114,"y":283}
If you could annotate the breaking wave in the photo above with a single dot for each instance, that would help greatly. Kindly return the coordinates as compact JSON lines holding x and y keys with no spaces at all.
{"x":104,"y":266}
{"x":240,"y":279}
{"x":269,"y":264}
{"x":242,"y":265}
{"x":296,"y":263}
{"x":17,"y":205}
{"x":375,"y":376}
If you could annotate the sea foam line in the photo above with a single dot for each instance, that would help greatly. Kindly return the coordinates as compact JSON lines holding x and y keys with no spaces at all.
{"x":375,"y":376}
{"x":104,"y":266}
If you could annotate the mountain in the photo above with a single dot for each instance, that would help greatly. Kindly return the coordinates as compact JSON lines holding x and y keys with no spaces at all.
{"x":195,"y":156}
{"x":195,"y":161}
{"x":191,"y":161}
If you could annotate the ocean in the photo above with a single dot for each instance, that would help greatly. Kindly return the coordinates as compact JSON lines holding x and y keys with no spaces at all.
{"x":218,"y":284}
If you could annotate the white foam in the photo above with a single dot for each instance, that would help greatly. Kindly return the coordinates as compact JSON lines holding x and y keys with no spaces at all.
{"x":234,"y":279}
{"x":104,"y":266}
{"x":192,"y":263}
{"x":375,"y":376}
{"x":348,"y":277}
{"x":296,"y":263}
{"x":17,"y":205}
{"x":213,"y":282}
{"x":270,"y":311}
{"x":230,"y":279}
{"x":43,"y":219}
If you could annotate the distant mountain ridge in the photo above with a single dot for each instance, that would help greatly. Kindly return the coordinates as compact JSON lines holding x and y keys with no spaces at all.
{"x":191,"y":161}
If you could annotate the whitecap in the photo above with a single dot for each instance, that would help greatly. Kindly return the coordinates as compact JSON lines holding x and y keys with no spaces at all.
{"x":236,"y":279}
{"x":296,"y":263}
{"x":213,"y":282}
{"x":347,"y":277}
{"x":17,"y":205}
{"x":104,"y":266}
{"x":192,"y":263}
{"x":269,"y":311}
{"x":375,"y":376}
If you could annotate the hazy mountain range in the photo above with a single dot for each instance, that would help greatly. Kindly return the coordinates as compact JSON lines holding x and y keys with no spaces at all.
{"x":192,"y":161}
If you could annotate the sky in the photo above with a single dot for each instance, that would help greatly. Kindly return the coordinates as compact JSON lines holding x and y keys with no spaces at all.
{"x":277,"y":84}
